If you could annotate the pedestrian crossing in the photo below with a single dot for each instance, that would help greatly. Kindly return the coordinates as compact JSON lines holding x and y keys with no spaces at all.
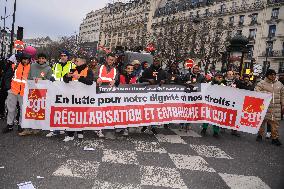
{"x":147,"y":162}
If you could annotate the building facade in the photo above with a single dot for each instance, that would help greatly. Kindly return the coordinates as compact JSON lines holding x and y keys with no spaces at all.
{"x":90,"y":27}
{"x":198,"y":29}
{"x":40,"y":42}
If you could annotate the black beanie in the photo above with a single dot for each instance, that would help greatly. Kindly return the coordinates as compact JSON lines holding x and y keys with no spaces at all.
{"x":270,"y":72}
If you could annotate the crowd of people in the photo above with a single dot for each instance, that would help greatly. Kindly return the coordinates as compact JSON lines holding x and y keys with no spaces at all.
{"x":28,"y":66}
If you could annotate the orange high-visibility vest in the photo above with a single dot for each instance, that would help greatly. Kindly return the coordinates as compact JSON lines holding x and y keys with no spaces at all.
{"x":107,"y":77}
{"x":20,"y":78}
{"x":83,"y":73}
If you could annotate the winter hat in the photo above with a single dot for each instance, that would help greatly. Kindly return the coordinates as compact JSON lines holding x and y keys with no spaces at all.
{"x":135,"y":62}
{"x":270,"y":72}
{"x":30,"y":51}
{"x":65,"y":52}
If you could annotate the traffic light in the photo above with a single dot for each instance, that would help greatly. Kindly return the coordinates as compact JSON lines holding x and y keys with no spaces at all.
{"x":20,"y":33}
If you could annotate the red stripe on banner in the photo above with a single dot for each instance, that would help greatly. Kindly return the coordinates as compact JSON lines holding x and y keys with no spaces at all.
{"x":84,"y":117}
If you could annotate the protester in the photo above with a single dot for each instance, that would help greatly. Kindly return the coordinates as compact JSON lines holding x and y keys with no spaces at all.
{"x":218,"y":80}
{"x":173,"y":74}
{"x":245,"y":83}
{"x":108,"y":74}
{"x":63,"y":66}
{"x":40,"y":70}
{"x":273,"y":115}
{"x":194,"y":76}
{"x":93,"y":65}
{"x":82,"y":74}
{"x":16,"y":93}
{"x":144,"y":65}
{"x":137,"y":68}
{"x":154,"y":74}
{"x":7,"y":75}
{"x":128,"y":76}
{"x":59,"y":70}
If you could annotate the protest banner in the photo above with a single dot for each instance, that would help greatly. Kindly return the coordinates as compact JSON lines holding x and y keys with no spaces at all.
{"x":75,"y":106}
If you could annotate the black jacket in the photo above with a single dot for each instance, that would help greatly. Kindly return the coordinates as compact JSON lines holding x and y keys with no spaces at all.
{"x":149,"y":74}
{"x":247,"y":86}
{"x":7,"y":76}
{"x":86,"y":80}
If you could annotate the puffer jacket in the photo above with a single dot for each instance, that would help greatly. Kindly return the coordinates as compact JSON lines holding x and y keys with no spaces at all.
{"x":276,"y":88}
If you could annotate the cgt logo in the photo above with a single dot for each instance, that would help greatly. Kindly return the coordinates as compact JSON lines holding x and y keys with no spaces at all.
{"x":252,"y":109}
{"x":36,"y":104}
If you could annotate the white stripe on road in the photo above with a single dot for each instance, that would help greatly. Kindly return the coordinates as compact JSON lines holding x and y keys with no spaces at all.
{"x":122,"y":157}
{"x":194,"y":163}
{"x":78,"y":169}
{"x":210,"y":151}
{"x":142,"y":146}
{"x":109,"y":185}
{"x":164,"y":177}
{"x":174,"y":139}
{"x":241,"y":181}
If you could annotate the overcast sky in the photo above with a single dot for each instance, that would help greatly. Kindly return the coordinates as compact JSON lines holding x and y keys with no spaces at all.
{"x":54,"y":18}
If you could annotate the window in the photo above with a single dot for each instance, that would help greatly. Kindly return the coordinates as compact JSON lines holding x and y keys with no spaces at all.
{"x":252,"y":34}
{"x":206,"y":12}
{"x":234,"y":5}
{"x":275,"y":13}
{"x":239,"y":32}
{"x":229,"y":34}
{"x":254,"y":18}
{"x":231,"y":20}
{"x":272,"y":31}
{"x":222,"y":8}
{"x":242,"y":19}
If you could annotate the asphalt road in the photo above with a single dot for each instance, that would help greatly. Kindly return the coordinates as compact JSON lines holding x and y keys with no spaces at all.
{"x":172,"y":159}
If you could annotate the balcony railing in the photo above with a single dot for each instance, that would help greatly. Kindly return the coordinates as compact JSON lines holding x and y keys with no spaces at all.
{"x":274,"y":1}
{"x":279,"y":53}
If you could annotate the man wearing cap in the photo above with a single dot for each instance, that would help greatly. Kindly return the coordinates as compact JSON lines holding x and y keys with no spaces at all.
{"x":16,"y":93}
{"x":63,"y":67}
{"x":137,"y":72}
{"x":273,"y":115}
{"x":60,"y":69}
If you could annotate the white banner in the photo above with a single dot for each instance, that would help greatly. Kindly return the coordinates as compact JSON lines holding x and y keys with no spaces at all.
{"x":75,"y":106}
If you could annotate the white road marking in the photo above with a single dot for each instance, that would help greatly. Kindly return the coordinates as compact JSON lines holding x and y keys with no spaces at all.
{"x":194,"y":163}
{"x":109,"y":185}
{"x":79,"y":169}
{"x":122,"y":156}
{"x":165,"y":177}
{"x":210,"y":151}
{"x":174,"y":139}
{"x":142,"y":146}
{"x":241,"y":181}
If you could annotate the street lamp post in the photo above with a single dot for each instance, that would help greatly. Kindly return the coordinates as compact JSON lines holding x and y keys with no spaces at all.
{"x":269,"y":44}
{"x":12,"y":31}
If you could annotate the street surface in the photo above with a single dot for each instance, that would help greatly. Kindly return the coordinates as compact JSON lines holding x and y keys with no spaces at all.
{"x":172,"y":159}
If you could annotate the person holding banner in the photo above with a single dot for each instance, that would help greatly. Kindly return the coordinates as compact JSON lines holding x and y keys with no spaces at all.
{"x":40,"y":70}
{"x":108,"y":74}
{"x":218,"y":80}
{"x":16,"y":93}
{"x":273,"y":115}
{"x":128,"y":76}
{"x":82,"y":74}
{"x":154,"y":75}
{"x":59,"y":70}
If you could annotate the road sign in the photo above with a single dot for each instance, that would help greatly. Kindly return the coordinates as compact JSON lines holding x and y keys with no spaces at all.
{"x":19,"y":45}
{"x":189,"y":63}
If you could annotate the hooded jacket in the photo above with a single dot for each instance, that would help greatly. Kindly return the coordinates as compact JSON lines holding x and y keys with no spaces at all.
{"x":40,"y":71}
{"x":275,"y":88}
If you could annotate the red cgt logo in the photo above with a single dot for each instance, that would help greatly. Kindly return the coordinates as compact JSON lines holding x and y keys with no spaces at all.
{"x":252,"y":109}
{"x":36,"y":104}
